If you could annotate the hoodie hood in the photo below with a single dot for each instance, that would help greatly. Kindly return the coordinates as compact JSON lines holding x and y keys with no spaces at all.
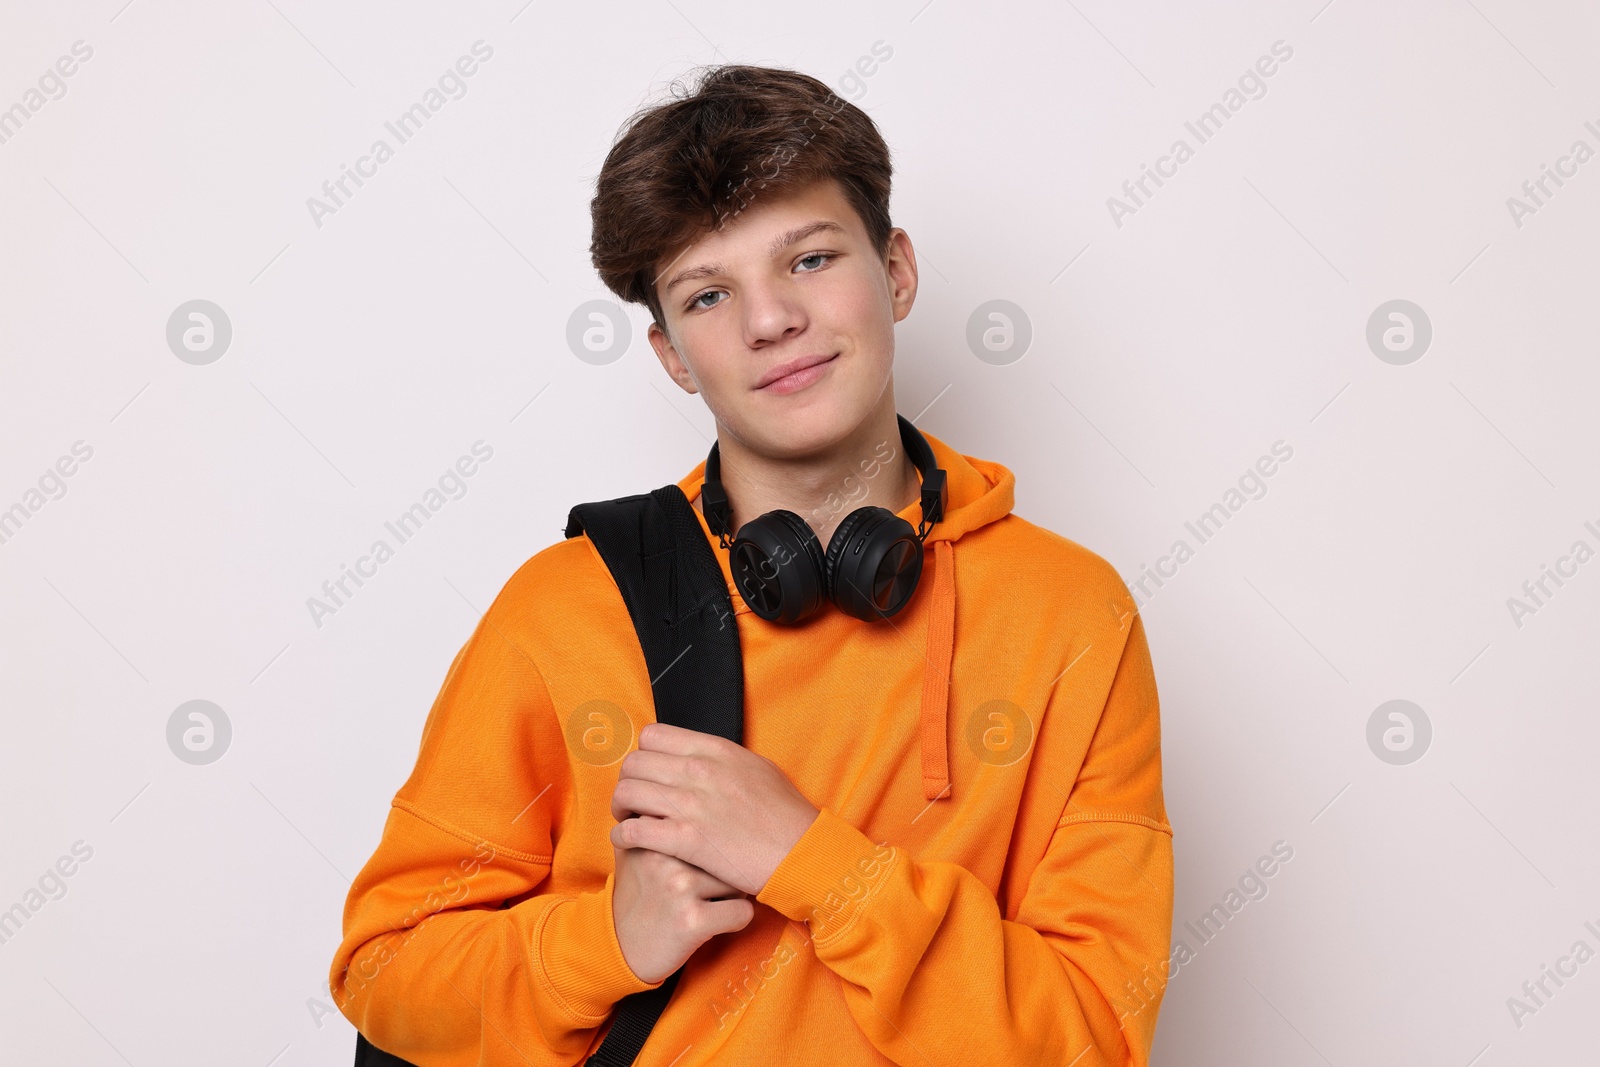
{"x":979,"y":492}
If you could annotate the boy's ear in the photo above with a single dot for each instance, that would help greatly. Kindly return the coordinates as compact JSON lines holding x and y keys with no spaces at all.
{"x":667,"y":352}
{"x":900,"y":265}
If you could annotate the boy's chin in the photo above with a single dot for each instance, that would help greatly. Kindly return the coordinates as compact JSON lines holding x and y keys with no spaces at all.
{"x":801,"y":430}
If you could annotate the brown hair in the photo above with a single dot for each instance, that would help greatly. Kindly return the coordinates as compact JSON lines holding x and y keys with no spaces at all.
{"x":691,"y":164}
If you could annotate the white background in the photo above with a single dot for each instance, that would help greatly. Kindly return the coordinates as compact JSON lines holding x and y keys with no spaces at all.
{"x":1168,"y":354}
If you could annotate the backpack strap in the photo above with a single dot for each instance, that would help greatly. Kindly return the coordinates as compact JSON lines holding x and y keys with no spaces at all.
{"x":678,"y":600}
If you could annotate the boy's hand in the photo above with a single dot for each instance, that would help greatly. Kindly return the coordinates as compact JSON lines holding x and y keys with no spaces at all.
{"x":664,"y":909}
{"x":709,"y":802}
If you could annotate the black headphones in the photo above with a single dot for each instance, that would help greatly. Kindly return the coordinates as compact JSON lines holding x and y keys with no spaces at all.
{"x":872,"y":564}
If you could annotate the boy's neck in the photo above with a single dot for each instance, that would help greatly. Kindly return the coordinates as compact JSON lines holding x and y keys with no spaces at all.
{"x":823,"y":488}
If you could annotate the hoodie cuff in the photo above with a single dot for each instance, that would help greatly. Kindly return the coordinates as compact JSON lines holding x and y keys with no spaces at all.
{"x":581,"y":958}
{"x":829,"y":876}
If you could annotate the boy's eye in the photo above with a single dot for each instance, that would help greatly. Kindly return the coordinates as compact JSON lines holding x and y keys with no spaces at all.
{"x":695,"y":302}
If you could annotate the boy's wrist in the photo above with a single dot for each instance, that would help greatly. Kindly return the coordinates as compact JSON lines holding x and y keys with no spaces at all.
{"x":832,"y":870}
{"x":581,"y":958}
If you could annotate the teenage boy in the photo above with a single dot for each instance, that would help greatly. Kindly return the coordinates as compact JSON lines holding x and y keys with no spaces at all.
{"x":943,"y":839}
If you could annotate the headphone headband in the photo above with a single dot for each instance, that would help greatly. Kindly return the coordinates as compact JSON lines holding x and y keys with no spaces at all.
{"x":935,"y":491}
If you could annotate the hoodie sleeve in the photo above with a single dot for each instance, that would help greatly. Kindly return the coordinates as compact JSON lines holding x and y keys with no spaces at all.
{"x":929,"y":964}
{"x":450,"y":956}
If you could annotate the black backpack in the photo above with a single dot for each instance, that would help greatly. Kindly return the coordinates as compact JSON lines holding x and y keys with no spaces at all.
{"x":676,"y":595}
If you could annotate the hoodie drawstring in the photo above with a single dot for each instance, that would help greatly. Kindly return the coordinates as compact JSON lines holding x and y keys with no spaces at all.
{"x":934,"y":723}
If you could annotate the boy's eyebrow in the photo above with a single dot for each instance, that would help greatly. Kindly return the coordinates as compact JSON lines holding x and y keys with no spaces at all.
{"x":778,"y":244}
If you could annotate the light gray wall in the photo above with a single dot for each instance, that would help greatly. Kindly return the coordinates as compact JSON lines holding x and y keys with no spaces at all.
{"x":1171,"y":347}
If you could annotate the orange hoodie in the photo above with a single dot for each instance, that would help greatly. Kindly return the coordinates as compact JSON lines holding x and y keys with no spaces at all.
{"x":989,"y":880}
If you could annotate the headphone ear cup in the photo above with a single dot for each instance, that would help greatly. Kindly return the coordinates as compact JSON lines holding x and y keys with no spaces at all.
{"x":836,"y":544}
{"x":777,"y":565}
{"x":873,"y":563}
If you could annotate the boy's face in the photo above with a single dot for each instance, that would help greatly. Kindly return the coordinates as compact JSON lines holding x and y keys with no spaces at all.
{"x":762,"y":292}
